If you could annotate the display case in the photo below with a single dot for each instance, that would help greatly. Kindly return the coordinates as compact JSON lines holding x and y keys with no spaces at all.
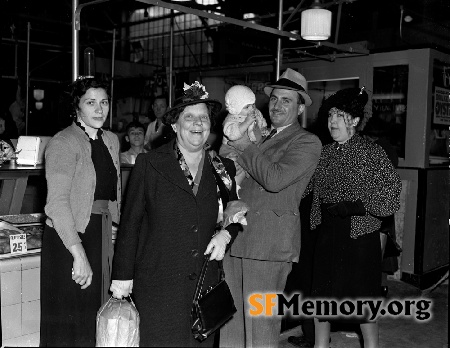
{"x":20,"y":280}
{"x":32,"y":225}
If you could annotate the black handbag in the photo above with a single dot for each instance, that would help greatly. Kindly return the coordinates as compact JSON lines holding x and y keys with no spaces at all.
{"x":211,"y":308}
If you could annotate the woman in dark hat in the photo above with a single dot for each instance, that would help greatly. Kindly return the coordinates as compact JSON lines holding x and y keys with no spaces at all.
{"x":354,"y":185}
{"x":82,"y":169}
{"x":175,"y":198}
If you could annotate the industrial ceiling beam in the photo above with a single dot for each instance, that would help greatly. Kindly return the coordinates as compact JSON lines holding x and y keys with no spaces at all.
{"x":250,"y":25}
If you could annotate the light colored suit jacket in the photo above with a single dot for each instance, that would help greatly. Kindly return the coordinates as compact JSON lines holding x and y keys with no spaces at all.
{"x":279,"y":169}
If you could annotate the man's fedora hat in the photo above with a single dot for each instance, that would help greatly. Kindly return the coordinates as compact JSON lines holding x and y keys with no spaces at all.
{"x":292,"y":80}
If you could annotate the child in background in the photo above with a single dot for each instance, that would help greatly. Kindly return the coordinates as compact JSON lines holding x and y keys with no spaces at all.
{"x":134,"y":135}
{"x":242,"y":118}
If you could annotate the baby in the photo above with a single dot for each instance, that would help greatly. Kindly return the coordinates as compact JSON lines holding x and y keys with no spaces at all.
{"x":242,"y":118}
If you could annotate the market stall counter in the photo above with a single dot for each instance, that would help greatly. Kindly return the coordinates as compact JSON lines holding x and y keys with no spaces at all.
{"x":13,"y":181}
{"x":20,"y":247}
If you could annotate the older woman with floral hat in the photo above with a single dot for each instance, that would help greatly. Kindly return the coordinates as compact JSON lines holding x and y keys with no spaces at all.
{"x":354,"y":185}
{"x":174,"y":205}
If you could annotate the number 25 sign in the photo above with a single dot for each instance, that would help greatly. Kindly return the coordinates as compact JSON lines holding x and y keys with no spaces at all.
{"x":18,"y":243}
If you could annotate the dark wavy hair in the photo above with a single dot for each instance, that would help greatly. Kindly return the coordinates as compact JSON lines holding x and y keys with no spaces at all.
{"x":80,"y":86}
{"x":134,"y":124}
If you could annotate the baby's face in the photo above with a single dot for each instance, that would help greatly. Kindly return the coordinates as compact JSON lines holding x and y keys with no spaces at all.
{"x":247,"y":109}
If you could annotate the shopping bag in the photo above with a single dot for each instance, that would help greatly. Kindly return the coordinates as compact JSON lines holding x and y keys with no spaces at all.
{"x":117,"y":324}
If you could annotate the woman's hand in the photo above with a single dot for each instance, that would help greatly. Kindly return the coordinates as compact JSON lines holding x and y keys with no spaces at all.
{"x":218,"y":245}
{"x":81,"y":271}
{"x":121,"y":288}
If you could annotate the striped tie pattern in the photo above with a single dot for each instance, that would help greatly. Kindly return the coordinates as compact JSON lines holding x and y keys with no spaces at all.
{"x":271,"y":134}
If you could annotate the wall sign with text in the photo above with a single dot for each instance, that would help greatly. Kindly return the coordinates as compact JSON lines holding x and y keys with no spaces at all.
{"x":441,"y":106}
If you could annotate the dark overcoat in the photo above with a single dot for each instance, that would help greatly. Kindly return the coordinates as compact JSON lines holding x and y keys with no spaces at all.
{"x":163,"y":234}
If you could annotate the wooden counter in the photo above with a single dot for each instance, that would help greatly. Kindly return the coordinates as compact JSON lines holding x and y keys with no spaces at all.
{"x":13,"y":180}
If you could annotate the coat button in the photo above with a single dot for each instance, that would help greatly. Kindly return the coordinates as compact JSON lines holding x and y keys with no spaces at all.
{"x":193,"y":276}
{"x":194,"y":228}
{"x":194,"y":253}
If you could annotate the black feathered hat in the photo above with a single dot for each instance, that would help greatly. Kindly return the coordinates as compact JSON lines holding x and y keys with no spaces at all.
{"x":350,"y":100}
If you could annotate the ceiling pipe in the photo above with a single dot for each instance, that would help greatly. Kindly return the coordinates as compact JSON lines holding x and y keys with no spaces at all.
{"x":172,"y":21}
{"x":279,"y":57}
{"x":76,"y":26}
{"x":293,"y":13}
{"x":75,"y":38}
{"x":27,"y":108}
{"x":338,"y":23}
{"x":245,"y":24}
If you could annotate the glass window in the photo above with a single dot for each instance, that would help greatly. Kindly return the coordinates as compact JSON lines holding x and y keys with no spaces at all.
{"x":440,"y":116}
{"x":390,"y":86}
{"x":154,"y":37}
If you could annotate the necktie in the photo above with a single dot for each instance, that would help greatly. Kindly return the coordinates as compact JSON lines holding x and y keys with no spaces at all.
{"x":271,"y":134}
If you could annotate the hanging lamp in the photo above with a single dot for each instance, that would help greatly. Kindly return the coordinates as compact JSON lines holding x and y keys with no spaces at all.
{"x":316,"y":23}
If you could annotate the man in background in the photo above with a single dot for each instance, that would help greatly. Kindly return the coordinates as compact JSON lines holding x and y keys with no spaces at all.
{"x":157,"y":132}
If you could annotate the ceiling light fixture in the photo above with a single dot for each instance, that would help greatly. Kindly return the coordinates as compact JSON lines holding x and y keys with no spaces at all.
{"x":316,"y":23}
{"x":408,"y":19}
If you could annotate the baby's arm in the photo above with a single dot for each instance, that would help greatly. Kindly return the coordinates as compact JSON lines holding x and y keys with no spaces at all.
{"x":231,"y":127}
{"x":249,"y":120}
{"x":262,"y":124}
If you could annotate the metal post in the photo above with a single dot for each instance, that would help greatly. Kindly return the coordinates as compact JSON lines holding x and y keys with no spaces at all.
{"x":16,"y":50}
{"x":280,"y":27}
{"x":112,"y":78}
{"x":75,"y":38}
{"x":172,"y":18}
{"x":28,"y":78}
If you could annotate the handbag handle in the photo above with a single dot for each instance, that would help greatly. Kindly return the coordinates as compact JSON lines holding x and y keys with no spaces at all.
{"x":201,"y":278}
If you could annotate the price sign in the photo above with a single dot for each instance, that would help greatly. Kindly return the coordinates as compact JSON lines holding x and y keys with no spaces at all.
{"x":18,"y":243}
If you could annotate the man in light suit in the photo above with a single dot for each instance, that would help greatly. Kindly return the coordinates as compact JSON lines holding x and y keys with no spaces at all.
{"x":279,"y":169}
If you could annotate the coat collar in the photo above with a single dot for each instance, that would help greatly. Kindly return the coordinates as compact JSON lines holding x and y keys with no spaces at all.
{"x":166,"y":164}
{"x":287,"y":132}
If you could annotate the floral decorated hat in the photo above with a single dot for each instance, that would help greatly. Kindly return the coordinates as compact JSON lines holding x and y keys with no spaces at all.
{"x":193,"y":94}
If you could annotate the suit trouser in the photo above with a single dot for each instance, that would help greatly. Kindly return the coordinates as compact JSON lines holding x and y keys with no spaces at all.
{"x":244,"y":277}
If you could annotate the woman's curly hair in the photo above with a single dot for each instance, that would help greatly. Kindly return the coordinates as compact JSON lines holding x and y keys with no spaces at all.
{"x":80,"y":86}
